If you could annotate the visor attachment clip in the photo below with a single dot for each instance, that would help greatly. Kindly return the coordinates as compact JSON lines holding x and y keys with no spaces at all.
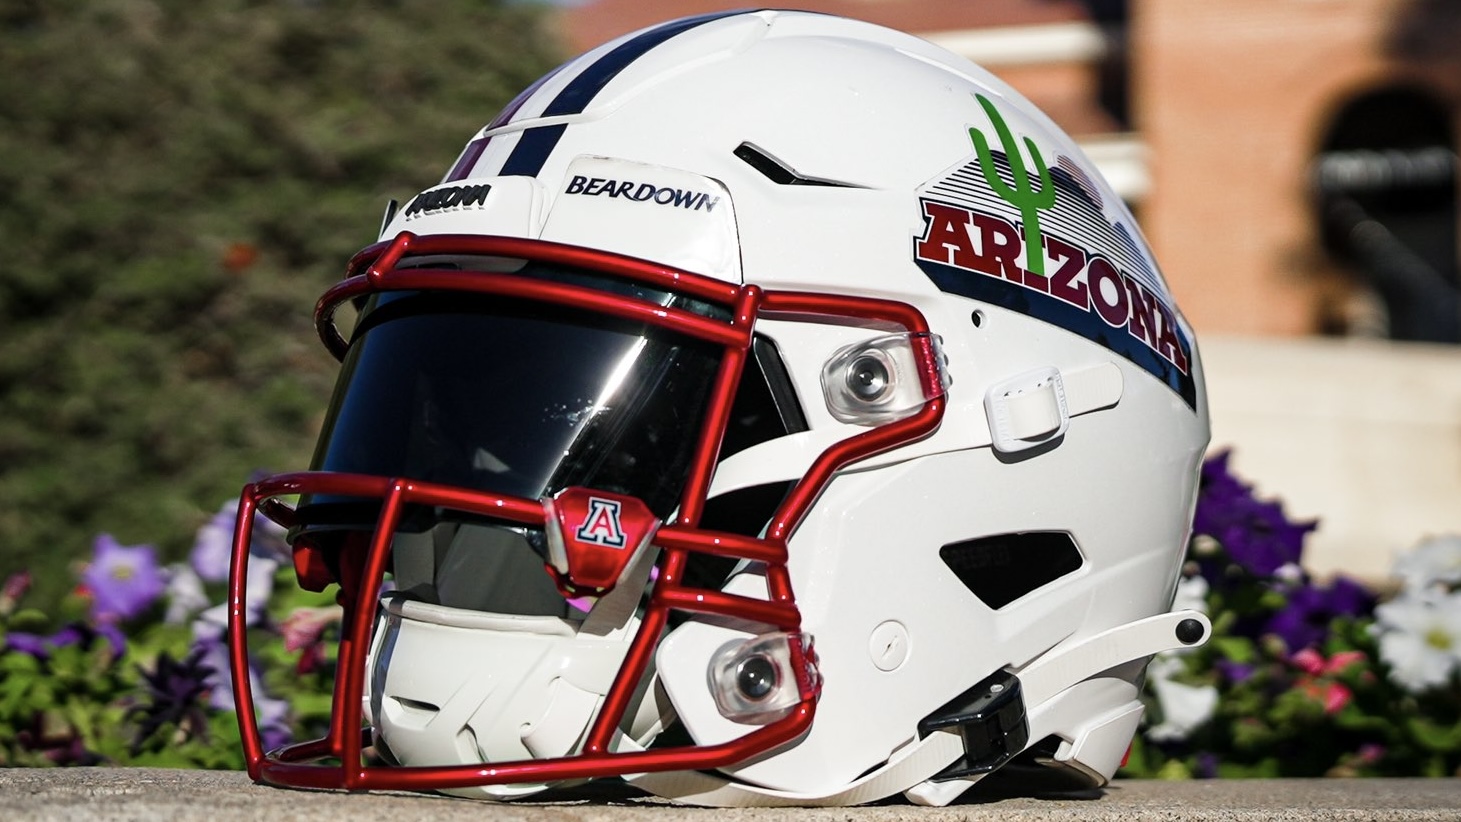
{"x":1027,"y":410}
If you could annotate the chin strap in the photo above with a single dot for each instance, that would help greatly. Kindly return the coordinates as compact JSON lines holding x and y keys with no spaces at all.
{"x":1053,"y":673}
{"x":1041,"y":684}
{"x":1064,"y":666}
{"x":922,"y":757}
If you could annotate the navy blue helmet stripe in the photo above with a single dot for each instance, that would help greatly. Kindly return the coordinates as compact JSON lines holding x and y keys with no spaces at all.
{"x":535,"y":144}
{"x":532,"y":150}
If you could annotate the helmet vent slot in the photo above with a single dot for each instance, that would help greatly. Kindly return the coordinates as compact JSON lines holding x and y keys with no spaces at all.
{"x":1000,"y":569}
{"x":780,"y":173}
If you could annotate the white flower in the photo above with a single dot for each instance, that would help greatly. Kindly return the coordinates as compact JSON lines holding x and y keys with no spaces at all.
{"x":185,"y":595}
{"x":1289,"y":572}
{"x":211,"y":624}
{"x":1184,"y":707}
{"x":1420,"y":637}
{"x":1435,"y":561}
{"x":1191,"y":594}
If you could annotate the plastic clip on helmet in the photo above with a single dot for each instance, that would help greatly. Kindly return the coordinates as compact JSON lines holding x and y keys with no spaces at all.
{"x":766,"y":408}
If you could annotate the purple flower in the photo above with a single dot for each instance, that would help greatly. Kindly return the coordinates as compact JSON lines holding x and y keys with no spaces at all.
{"x":60,"y":743}
{"x":1234,"y":672}
{"x":1219,"y":490}
{"x":41,"y":647}
{"x":213,"y":544}
{"x":123,"y":580}
{"x":1304,"y":619}
{"x":213,"y":622}
{"x":1256,"y":535}
{"x":85,"y":635}
{"x":1259,"y":538}
{"x":27,"y":643}
{"x":211,"y":655}
{"x":175,"y":691}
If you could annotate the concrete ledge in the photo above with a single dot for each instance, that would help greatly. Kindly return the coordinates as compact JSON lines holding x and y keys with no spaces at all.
{"x":150,"y":795}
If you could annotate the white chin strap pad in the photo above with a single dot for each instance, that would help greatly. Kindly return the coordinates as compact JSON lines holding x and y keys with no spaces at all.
{"x":455,"y":687}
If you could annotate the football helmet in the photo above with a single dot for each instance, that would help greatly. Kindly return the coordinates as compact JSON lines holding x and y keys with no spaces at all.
{"x":766,"y":408}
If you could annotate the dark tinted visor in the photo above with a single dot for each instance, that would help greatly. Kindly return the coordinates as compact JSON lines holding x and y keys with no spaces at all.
{"x":516,"y":397}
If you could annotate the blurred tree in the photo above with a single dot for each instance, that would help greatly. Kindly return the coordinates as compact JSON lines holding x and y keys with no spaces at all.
{"x":179,"y":181}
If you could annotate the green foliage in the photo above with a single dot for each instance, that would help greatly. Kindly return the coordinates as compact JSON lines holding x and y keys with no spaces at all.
{"x":1303,"y":678}
{"x":181,"y":181}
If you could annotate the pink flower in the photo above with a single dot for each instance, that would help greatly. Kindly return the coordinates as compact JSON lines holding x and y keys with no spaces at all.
{"x":304,"y":626}
{"x":1313,"y":663}
{"x":1371,"y":753}
{"x":1336,"y":696}
{"x":11,"y":592}
{"x":1344,"y":659}
{"x":1309,"y":661}
{"x":1318,"y":683}
{"x":1332,"y":695}
{"x":304,"y":630}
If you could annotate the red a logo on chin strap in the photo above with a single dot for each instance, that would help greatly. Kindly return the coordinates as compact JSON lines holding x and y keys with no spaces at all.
{"x":594,"y":537}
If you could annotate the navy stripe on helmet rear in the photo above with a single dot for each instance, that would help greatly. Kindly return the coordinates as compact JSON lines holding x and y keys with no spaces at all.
{"x":532,"y":150}
{"x":535,"y":144}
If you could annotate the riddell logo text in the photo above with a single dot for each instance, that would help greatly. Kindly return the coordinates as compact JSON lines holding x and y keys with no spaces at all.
{"x":642,"y":192}
{"x":989,"y":245}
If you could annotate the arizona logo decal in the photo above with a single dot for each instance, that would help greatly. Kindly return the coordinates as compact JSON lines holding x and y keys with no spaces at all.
{"x":602,"y":525}
{"x":991,"y":232}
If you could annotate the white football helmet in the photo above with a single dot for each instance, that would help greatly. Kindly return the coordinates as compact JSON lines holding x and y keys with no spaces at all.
{"x":766,"y":408}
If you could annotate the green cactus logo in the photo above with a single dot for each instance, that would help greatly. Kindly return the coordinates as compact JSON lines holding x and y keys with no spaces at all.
{"x":1022,"y":196}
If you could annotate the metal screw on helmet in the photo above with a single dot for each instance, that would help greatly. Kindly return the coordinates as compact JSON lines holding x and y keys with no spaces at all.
{"x":1190,"y":631}
{"x":756,"y":677}
{"x":869,"y":378}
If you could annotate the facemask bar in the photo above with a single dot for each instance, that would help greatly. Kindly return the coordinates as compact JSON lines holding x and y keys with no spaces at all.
{"x":360,"y":569}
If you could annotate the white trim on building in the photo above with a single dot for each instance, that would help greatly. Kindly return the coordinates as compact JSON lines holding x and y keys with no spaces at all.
{"x":1025,"y":45}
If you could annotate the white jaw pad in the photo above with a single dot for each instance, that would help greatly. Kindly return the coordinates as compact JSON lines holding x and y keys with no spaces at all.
{"x":451,"y":686}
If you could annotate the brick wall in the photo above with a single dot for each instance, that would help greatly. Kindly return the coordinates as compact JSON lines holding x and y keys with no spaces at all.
{"x":1233,"y":98}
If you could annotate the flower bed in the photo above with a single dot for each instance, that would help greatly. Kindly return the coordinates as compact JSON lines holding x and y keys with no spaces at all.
{"x":132,"y":668}
{"x":1302,"y":677}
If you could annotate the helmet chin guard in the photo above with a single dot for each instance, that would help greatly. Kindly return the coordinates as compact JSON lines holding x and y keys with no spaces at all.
{"x":767,"y":408}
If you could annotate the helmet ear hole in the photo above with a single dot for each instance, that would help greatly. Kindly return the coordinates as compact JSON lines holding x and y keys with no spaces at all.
{"x":765,"y":406}
{"x":743,"y":511}
{"x":1000,"y":569}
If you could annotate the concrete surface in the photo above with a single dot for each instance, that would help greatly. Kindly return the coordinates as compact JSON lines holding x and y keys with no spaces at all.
{"x":152,"y":795}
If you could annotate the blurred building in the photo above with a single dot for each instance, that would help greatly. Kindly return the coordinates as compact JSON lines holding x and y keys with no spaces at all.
{"x":1305,"y":153}
{"x":1294,"y":165}
{"x":1293,"y":162}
